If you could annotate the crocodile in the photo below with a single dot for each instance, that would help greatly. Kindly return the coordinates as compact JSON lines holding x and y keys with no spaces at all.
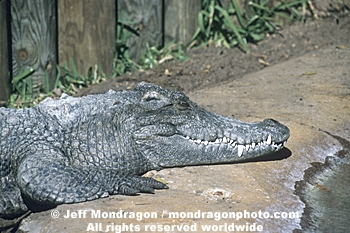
{"x":74,"y":149}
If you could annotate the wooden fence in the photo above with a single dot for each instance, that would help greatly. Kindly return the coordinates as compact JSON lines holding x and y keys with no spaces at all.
{"x":39,"y":34}
{"x":4,"y":53}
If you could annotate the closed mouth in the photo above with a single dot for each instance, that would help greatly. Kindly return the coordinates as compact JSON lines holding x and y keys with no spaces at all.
{"x":241,"y":148}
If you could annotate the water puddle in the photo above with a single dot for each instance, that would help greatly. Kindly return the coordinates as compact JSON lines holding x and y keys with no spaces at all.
{"x":325,"y":191}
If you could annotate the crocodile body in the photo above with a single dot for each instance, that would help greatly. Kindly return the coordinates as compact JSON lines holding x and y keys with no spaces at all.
{"x":79,"y":149}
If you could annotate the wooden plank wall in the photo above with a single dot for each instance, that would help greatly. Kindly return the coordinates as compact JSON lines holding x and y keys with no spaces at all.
{"x":4,"y":53}
{"x":158,"y":22}
{"x":86,"y":33}
{"x":146,"y":16}
{"x":33,"y":30}
{"x":180,"y":20}
{"x":47,"y":32}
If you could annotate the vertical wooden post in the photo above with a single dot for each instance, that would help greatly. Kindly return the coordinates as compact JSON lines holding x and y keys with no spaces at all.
{"x":4,"y":53}
{"x":34,"y":40}
{"x":86,"y":33}
{"x":180,"y":20}
{"x":146,"y":16}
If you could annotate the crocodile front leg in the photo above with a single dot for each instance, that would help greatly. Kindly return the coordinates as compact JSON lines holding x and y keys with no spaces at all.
{"x":52,"y":179}
{"x":11,"y":202}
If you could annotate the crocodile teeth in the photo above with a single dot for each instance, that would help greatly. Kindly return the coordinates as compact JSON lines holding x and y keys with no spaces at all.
{"x":240,"y":150}
{"x":269,"y":140}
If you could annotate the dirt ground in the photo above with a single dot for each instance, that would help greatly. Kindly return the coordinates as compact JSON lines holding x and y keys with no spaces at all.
{"x":305,"y":86}
{"x":209,"y":66}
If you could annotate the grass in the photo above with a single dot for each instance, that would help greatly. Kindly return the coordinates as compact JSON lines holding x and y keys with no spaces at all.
{"x":67,"y":80}
{"x":233,"y":26}
{"x":228,"y":26}
{"x":122,"y":61}
{"x":154,"y":56}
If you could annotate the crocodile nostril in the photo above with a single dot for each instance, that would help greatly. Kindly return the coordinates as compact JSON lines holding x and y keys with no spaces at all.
{"x":270,"y":121}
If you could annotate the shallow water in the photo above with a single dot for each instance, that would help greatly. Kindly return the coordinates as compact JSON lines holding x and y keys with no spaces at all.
{"x":326,"y":193}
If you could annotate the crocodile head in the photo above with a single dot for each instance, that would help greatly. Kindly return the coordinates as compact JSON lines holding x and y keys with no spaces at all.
{"x":174,"y":131}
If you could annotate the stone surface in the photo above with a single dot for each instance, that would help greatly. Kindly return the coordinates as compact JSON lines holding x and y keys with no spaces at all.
{"x":310,"y":94}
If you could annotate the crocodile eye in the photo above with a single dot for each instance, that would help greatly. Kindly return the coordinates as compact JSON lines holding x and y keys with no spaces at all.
{"x":182,"y":105}
{"x":151,"y":95}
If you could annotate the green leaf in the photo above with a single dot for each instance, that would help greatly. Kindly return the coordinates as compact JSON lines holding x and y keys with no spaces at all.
{"x":235,"y":29}
{"x":257,"y":37}
{"x":22,"y":75}
{"x":238,"y":13}
{"x":74,"y":68}
{"x":260,"y":7}
{"x":253,"y":20}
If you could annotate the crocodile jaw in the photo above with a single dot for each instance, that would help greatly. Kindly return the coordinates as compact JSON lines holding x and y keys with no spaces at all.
{"x":167,"y":146}
{"x":240,"y":149}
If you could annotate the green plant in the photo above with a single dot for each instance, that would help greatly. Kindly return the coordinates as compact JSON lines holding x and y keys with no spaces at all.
{"x":122,"y":61}
{"x":67,"y":81}
{"x":22,"y":90}
{"x":154,"y":56}
{"x":231,"y":26}
{"x":70,"y":81}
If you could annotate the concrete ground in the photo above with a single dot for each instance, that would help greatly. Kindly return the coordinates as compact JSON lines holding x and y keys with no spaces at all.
{"x":310,"y":94}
